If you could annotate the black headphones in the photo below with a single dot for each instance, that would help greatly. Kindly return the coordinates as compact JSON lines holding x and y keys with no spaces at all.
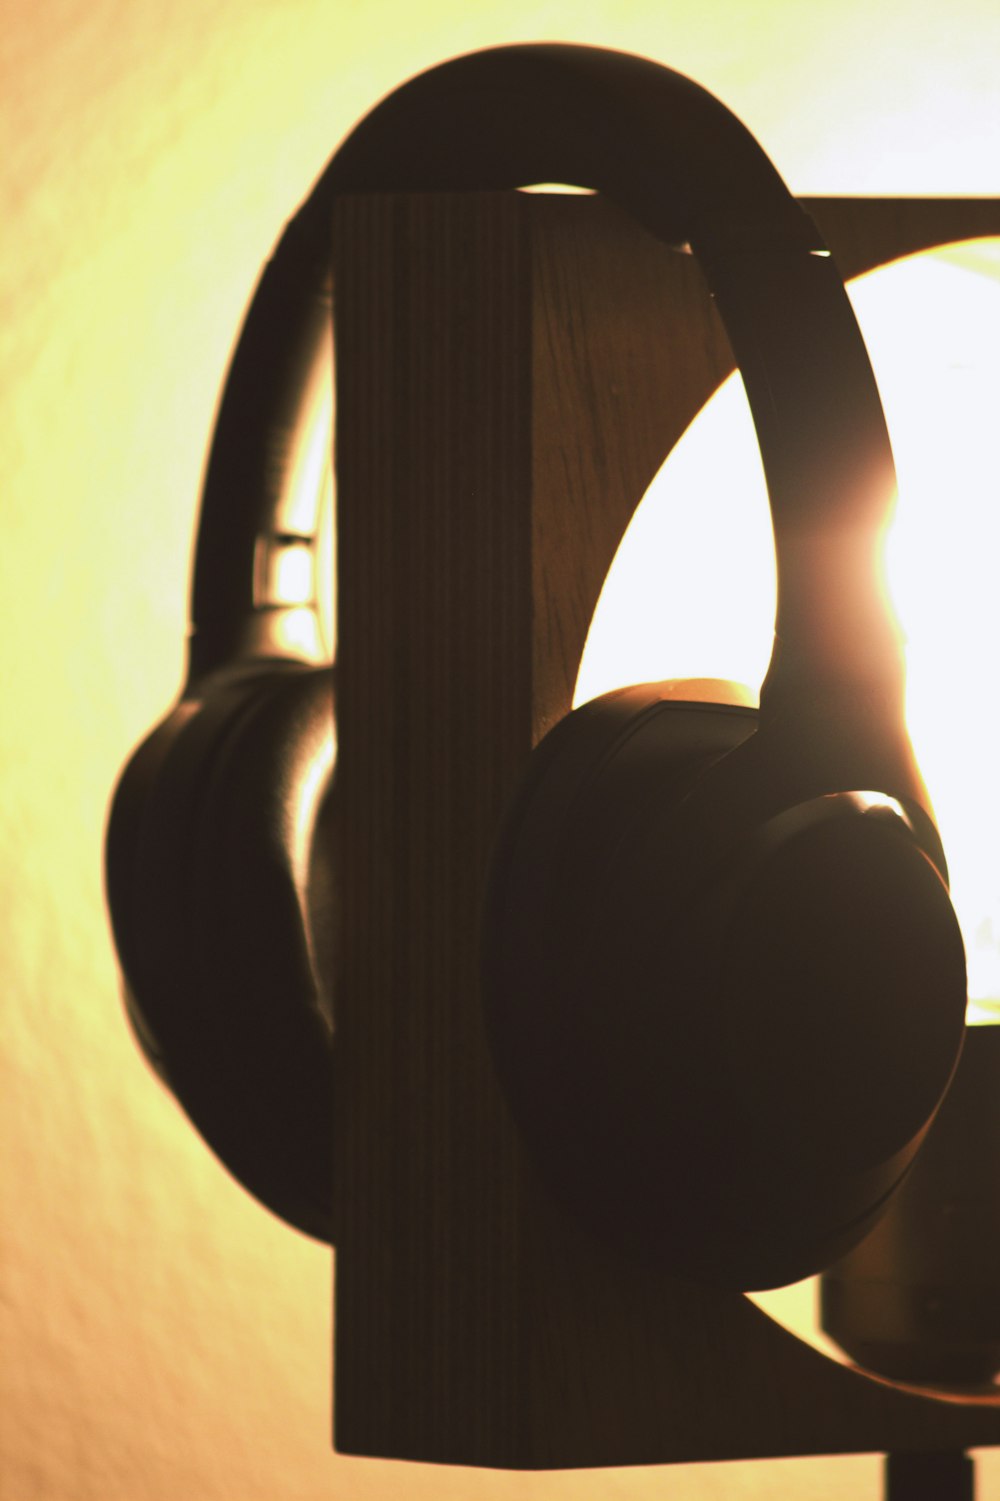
{"x":725,"y":986}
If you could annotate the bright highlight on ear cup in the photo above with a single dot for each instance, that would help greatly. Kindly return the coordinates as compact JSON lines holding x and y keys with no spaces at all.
{"x":212,"y":846}
{"x":723,"y":1037}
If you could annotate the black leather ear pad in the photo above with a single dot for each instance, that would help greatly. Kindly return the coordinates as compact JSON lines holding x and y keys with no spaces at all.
{"x":214,"y":838}
{"x":723,"y":1037}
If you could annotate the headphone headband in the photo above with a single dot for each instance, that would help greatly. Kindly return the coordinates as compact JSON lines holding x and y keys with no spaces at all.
{"x":680,"y":163}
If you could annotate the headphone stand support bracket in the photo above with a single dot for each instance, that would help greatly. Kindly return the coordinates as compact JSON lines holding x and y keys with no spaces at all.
{"x":511,"y":370}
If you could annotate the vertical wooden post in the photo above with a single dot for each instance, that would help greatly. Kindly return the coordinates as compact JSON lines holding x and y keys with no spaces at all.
{"x":434,"y":709}
{"x":511,"y":371}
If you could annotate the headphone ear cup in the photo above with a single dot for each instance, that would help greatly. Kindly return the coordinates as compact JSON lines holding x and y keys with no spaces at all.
{"x":217,"y":833}
{"x":724,"y":1002}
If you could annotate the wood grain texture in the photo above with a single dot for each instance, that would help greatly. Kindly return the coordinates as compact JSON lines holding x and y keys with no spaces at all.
{"x":512,"y":369}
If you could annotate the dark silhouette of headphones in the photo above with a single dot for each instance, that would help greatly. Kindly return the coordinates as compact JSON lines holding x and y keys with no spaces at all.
{"x":725,"y":986}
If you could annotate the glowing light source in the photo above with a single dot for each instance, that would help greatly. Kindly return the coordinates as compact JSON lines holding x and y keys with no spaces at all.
{"x":691,"y":591}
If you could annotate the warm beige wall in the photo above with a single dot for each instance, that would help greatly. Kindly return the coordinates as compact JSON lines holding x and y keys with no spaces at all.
{"x":163,"y":1337}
